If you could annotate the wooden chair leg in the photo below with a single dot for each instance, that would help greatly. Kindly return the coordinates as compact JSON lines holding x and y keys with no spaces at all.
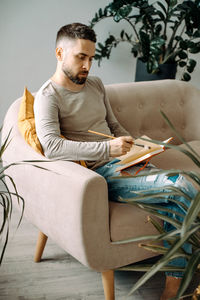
{"x":108,"y":284}
{"x":41,"y":242}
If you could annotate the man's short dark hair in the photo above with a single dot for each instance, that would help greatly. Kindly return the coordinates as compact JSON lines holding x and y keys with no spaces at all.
{"x":76,"y":31}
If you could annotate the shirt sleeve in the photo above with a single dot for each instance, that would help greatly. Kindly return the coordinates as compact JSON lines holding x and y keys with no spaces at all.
{"x":46,"y":112}
{"x":115,"y":127}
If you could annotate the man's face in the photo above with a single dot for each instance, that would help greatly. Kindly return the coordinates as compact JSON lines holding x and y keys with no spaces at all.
{"x":77,"y":59}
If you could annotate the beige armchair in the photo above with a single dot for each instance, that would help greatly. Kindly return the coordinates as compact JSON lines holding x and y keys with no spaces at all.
{"x":70,"y":203}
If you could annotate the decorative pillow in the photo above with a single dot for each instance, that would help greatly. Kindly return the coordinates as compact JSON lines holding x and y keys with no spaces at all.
{"x":26,"y":121}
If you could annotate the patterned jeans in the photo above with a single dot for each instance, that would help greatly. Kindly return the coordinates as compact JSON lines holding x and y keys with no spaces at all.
{"x":125,"y":188}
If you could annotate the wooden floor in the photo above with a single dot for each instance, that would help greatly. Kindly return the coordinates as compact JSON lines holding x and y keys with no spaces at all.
{"x":59,"y":276}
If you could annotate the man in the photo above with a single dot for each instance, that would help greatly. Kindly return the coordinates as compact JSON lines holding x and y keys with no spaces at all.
{"x":70,"y":104}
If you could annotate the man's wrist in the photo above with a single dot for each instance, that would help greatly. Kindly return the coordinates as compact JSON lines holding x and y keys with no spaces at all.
{"x":107,"y":150}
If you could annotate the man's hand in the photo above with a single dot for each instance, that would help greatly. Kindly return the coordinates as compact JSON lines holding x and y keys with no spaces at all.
{"x":120,"y":145}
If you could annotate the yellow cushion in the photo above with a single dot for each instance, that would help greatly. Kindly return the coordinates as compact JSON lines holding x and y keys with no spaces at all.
{"x":26,"y":121}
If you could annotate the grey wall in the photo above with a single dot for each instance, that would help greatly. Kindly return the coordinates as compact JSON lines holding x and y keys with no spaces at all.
{"x":28,"y":29}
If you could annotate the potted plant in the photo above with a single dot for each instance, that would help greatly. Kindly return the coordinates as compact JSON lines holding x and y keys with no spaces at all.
{"x":164,"y":34}
{"x":6,"y":201}
{"x":9,"y":194}
{"x":187,"y":230}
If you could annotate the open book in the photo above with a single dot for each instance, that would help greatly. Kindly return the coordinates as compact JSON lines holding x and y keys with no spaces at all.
{"x":139,"y":154}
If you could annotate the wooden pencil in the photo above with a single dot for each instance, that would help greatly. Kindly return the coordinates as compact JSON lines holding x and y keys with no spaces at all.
{"x":112,"y":137}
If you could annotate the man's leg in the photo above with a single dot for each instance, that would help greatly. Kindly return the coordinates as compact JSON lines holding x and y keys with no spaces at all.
{"x":125,"y":188}
{"x":171,"y":287}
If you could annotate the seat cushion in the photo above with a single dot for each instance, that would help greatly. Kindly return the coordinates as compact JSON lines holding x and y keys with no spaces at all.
{"x":174,"y":159}
{"x":128,"y":221}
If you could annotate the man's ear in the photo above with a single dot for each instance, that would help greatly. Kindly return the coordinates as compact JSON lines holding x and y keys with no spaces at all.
{"x":59,"y":53}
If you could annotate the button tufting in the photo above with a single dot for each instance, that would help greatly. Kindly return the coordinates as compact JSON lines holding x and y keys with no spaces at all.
{"x":119,"y":109}
{"x":140,"y":105}
{"x":181,"y":102}
{"x":162,"y":104}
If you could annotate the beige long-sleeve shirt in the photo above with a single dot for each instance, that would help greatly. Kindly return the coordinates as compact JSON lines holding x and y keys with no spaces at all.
{"x":59,"y":111}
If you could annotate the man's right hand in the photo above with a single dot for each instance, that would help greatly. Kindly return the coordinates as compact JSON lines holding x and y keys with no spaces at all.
{"x":120,"y":146}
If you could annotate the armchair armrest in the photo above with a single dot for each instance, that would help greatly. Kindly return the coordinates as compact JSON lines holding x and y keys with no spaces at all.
{"x":67,"y":202}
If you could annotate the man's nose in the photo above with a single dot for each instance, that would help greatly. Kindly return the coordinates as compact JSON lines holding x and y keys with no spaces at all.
{"x":86,"y":65}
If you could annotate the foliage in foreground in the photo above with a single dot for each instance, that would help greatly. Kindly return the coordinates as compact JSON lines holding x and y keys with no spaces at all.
{"x":9,"y":194}
{"x":6,"y":201}
{"x":186,"y":231}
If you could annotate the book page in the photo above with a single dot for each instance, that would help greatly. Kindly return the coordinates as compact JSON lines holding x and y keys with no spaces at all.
{"x":137,"y":151}
{"x":138,"y":160}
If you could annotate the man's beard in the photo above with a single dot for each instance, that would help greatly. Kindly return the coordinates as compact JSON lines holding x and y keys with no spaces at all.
{"x":75,"y":78}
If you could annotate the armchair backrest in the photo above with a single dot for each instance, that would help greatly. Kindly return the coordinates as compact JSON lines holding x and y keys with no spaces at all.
{"x":137,"y":106}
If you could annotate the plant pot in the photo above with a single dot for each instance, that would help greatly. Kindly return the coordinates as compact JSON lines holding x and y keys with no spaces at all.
{"x":167,"y":71}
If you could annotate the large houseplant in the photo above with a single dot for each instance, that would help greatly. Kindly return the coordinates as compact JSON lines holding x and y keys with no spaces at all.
{"x":162,"y":32}
{"x":7,"y":193}
{"x":188,"y":230}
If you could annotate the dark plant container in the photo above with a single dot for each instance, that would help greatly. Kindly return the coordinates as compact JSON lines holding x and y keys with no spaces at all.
{"x":166,"y":71}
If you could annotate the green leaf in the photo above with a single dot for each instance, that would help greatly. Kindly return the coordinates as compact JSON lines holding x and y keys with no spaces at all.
{"x":197,"y":33}
{"x":127,"y":37}
{"x":158,"y":29}
{"x":137,"y":239}
{"x":5,"y":205}
{"x":191,"y":65}
{"x":168,"y":236}
{"x":178,"y":38}
{"x":172,"y":3}
{"x":105,"y":12}
{"x":156,"y":224}
{"x":162,"y":6}
{"x":189,"y":272}
{"x":195,"y":176}
{"x":145,"y":196}
{"x":182,"y":140}
{"x":154,"y":248}
{"x":135,"y":52}
{"x":170,"y":255}
{"x":101,"y":46}
{"x":172,"y":221}
{"x":146,"y":267}
{"x":195,"y":49}
{"x":122,"y":13}
{"x":5,"y":143}
{"x":183,"y":45}
{"x":192,"y":213}
{"x":100,"y":13}
{"x":161,"y":15}
{"x":186,"y":77}
{"x":191,"y":44}
{"x":157,"y":43}
{"x":162,"y":209}
{"x":182,"y":55}
{"x":122,"y":34}
{"x":182,"y":63}
{"x":4,"y":246}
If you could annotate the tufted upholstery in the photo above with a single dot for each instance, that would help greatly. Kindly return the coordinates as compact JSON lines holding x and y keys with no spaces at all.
{"x":137,"y":106}
{"x":70,"y":204}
